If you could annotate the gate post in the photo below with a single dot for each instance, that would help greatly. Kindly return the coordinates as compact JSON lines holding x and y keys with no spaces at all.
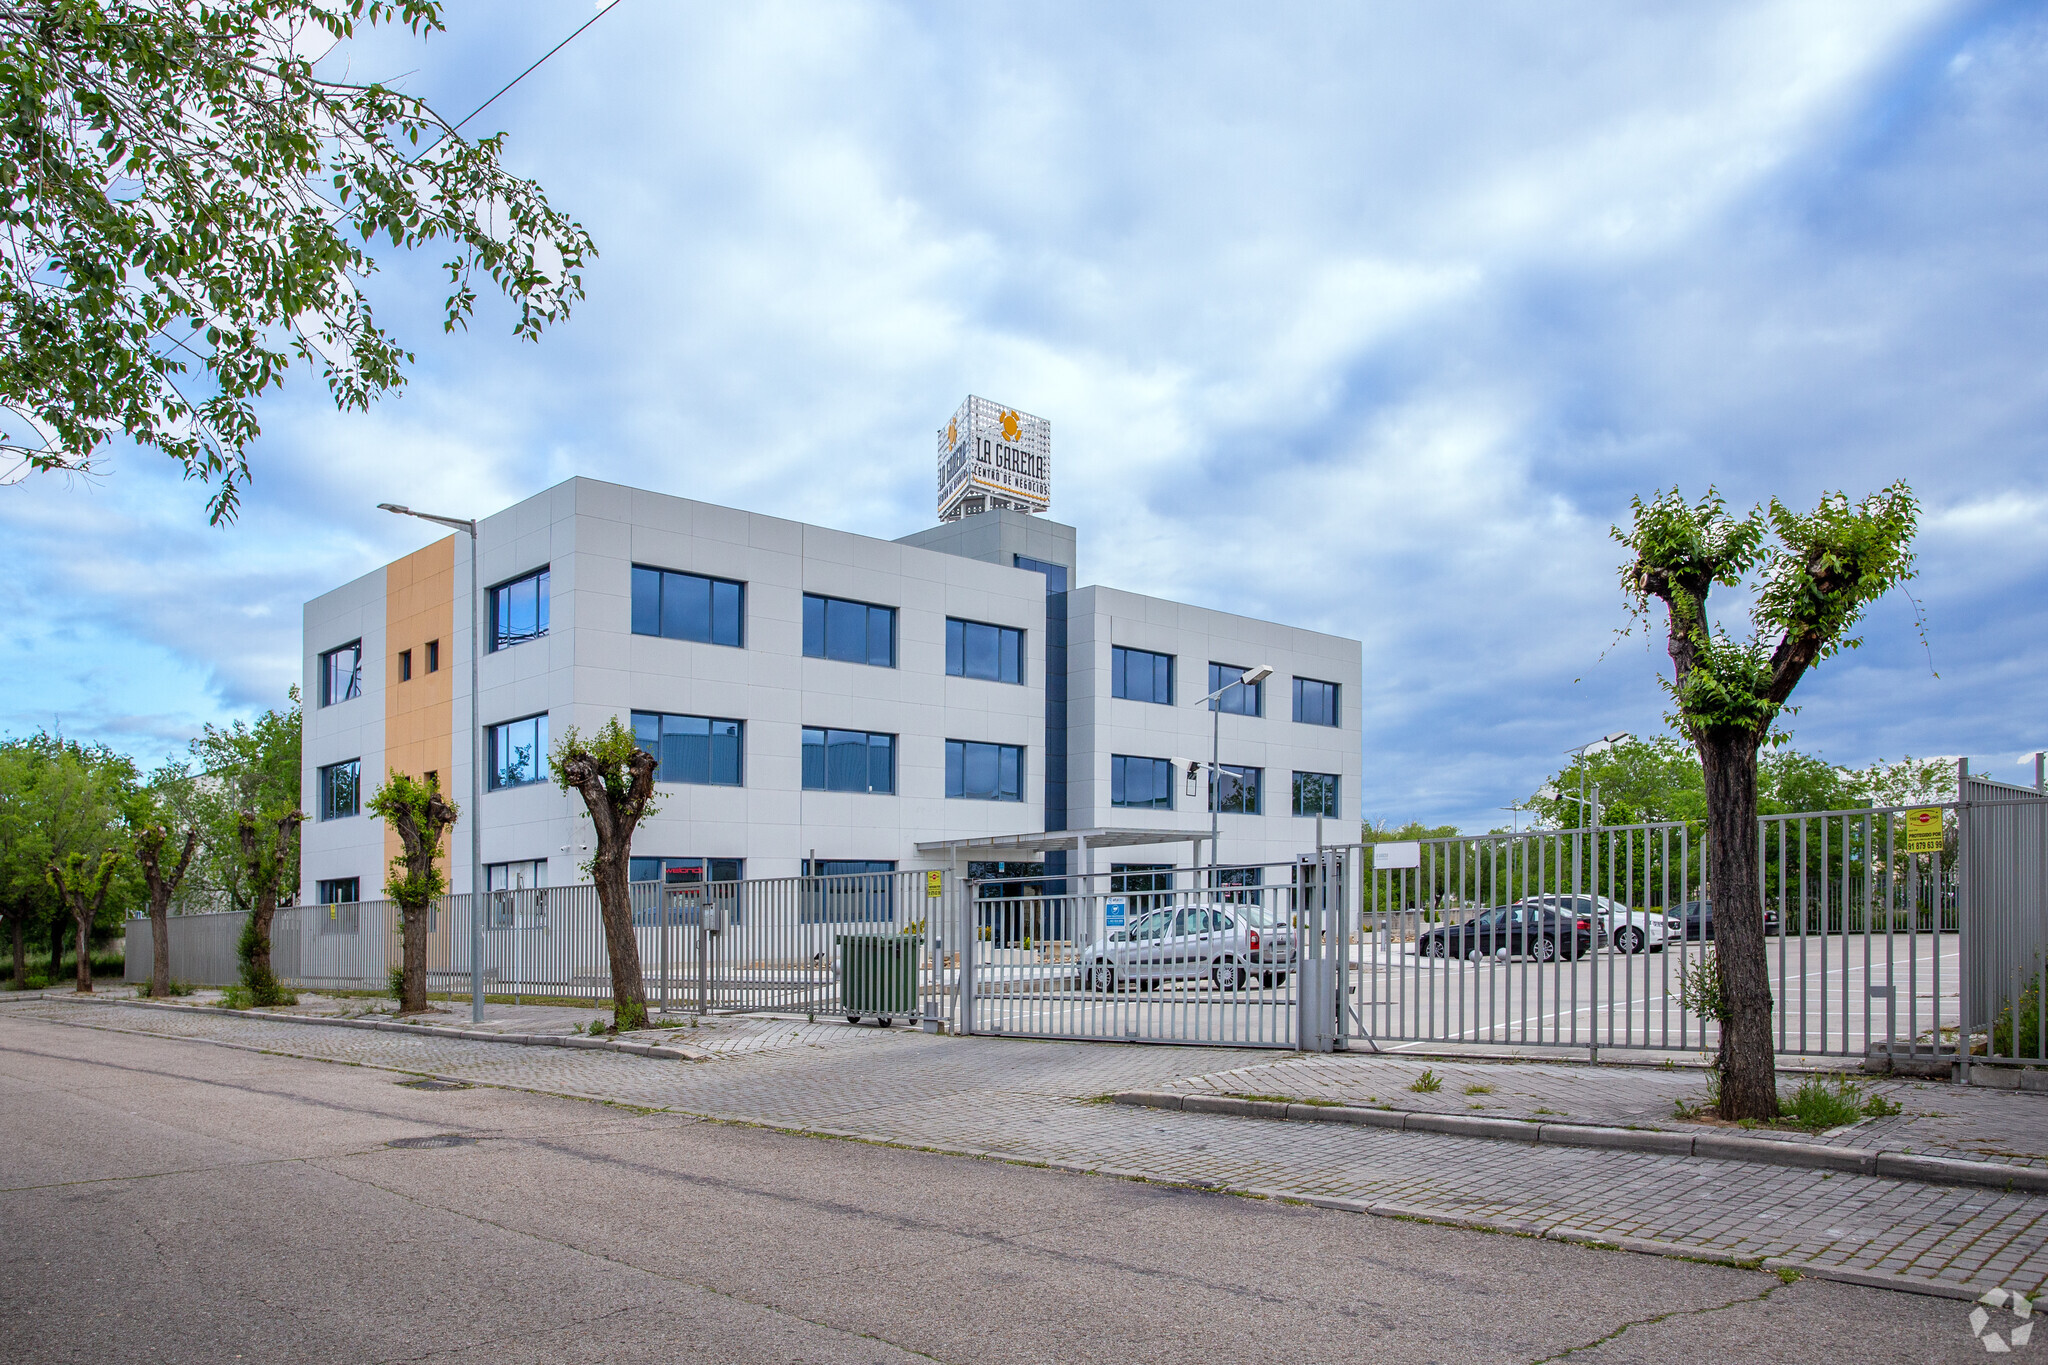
{"x":1315,"y":1016}
{"x":970,"y":943}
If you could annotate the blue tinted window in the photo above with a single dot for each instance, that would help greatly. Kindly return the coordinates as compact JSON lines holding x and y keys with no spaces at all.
{"x":341,"y":789}
{"x":984,"y":772}
{"x":1239,"y":788}
{"x":1315,"y":794}
{"x":848,"y":761}
{"x":688,"y":606}
{"x":975,"y":650}
{"x":519,"y":610}
{"x":518,"y":752}
{"x":1240,"y":700}
{"x":1140,"y":675}
{"x":853,"y":632}
{"x":1315,"y":703}
{"x":341,"y":673}
{"x":1055,"y":574}
{"x":1140,"y":783}
{"x":702,"y":750}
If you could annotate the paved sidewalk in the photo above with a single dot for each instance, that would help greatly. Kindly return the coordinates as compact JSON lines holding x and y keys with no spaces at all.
{"x":1040,"y":1102}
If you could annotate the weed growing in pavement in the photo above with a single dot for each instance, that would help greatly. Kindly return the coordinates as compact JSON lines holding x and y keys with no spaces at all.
{"x":396,"y":981}
{"x":1476,"y":1089}
{"x":1428,"y":1083}
{"x":596,"y":1028}
{"x":1818,"y":1106}
{"x":235,"y":998}
{"x":148,"y":989}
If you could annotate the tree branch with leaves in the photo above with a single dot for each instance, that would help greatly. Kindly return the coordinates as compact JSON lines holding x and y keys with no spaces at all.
{"x":1816,"y":574}
{"x":187,"y":207}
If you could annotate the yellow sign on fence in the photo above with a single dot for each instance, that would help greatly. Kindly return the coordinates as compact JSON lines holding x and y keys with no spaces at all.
{"x":934,"y":884}
{"x":1923,"y":829}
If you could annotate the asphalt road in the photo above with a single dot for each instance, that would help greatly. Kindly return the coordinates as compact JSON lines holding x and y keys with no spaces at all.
{"x":168,"y":1200}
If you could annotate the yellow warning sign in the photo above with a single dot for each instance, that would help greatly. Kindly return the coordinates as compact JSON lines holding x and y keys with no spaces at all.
{"x":934,"y":883}
{"x":1923,"y":829}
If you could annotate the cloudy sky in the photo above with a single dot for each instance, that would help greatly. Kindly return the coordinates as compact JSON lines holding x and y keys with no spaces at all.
{"x":1363,"y":318}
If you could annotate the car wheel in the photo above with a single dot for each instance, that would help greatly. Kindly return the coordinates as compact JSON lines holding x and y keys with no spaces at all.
{"x":1266,"y":980}
{"x":1227,"y":975}
{"x":1439,"y":948}
{"x":1546,"y":950}
{"x":1629,"y":940}
{"x":853,"y":1018}
{"x":1102,"y":977}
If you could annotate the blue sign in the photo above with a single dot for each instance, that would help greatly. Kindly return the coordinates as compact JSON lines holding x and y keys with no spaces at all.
{"x":1113,"y":914}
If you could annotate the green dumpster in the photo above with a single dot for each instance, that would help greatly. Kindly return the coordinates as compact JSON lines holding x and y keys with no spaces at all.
{"x":878,"y":975}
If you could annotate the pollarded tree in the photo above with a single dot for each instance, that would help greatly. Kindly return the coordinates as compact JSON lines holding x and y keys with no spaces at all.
{"x":615,"y":778}
{"x":1816,"y":574}
{"x":83,"y":885}
{"x":181,"y":189}
{"x":421,"y":816}
{"x":152,"y":841}
{"x":266,"y":842}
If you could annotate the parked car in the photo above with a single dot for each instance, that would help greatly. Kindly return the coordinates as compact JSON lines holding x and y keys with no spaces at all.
{"x":1629,"y":931}
{"x":1699,"y":920}
{"x":1228,"y":944}
{"x":1523,"y":930}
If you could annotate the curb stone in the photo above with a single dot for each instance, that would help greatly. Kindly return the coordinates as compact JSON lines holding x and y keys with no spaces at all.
{"x":1933,"y":1170}
{"x":668,"y":1052}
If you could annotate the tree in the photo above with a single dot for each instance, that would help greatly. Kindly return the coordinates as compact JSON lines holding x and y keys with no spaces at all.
{"x":615,"y":778}
{"x":155,"y":832}
{"x":422,"y":816}
{"x":266,"y":843}
{"x":83,"y":886}
{"x":1816,"y":574}
{"x":57,"y":797}
{"x":244,"y":766}
{"x":178,"y":188}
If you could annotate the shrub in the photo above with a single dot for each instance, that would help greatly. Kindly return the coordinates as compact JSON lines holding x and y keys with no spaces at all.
{"x":396,"y":980}
{"x":1818,"y":1106}
{"x":1428,"y":1083}
{"x":2025,"y":1039}
{"x":1700,"y":989}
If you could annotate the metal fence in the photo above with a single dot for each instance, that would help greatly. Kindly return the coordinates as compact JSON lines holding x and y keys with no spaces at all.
{"x":2004,"y":839}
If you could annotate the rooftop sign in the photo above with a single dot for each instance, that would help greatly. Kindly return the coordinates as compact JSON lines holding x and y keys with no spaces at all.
{"x":993,"y":457}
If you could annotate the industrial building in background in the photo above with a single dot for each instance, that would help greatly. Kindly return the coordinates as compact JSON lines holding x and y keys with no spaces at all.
{"x":820,"y":701}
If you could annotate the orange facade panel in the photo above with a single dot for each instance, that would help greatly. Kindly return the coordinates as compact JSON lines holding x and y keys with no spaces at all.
{"x":419,"y":634}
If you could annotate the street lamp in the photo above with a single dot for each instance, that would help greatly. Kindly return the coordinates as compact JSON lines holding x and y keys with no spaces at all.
{"x":1251,"y":677}
{"x":476,"y":766}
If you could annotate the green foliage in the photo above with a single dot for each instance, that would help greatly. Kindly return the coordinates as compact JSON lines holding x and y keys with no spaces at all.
{"x":410,"y":804}
{"x":629,"y":1016}
{"x":1428,"y":1083}
{"x":2016,"y":1031}
{"x":1817,"y":573}
{"x":182,"y":191}
{"x":395,"y":980}
{"x":242,"y":767}
{"x":1699,"y":989}
{"x":1818,"y":1105}
{"x":236,"y":998}
{"x":611,"y":748}
{"x":259,"y":982}
{"x":146,"y":990}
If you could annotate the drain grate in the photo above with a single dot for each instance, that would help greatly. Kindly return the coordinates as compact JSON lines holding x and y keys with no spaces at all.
{"x":434,"y":1083}
{"x":431,"y":1140}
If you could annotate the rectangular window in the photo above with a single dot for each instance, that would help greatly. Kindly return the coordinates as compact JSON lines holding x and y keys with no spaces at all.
{"x":518,"y":752}
{"x":1239,"y":700}
{"x":339,"y":891}
{"x":984,"y":772}
{"x":686,"y":871}
{"x":1055,"y":574}
{"x":854,"y":632}
{"x":1238,"y":787}
{"x":687,"y":606}
{"x":433,"y":656}
{"x":341,"y":790}
{"x":1140,"y":675}
{"x":519,"y":610}
{"x":520,"y":876}
{"x":849,"y":891}
{"x":1315,"y":794}
{"x":702,"y":750}
{"x":849,"y":761}
{"x":1315,"y":703}
{"x":1140,"y":783}
{"x":1242,"y":877}
{"x":975,"y":650}
{"x":405,"y":665}
{"x":341,"y":674}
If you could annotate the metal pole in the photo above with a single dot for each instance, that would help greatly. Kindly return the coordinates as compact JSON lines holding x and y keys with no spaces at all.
{"x":1215,"y":806}
{"x":476,"y":800}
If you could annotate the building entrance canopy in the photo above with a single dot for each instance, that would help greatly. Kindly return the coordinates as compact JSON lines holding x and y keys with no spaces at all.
{"x":1002,"y":847}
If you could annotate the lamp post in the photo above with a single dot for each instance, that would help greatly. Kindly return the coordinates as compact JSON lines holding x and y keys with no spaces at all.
{"x":476,"y":766}
{"x":1589,"y":815}
{"x":1251,"y":677}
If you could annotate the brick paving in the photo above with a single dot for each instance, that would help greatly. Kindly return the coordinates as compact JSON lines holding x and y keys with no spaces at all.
{"x":1039,"y":1101}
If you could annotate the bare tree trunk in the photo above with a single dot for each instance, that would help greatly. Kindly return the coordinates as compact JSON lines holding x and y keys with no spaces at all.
{"x":20,"y":954}
{"x":1748,"y":1064}
{"x":615,"y":905}
{"x":84,"y":952}
{"x":412,"y":990}
{"x":149,"y":847}
{"x":160,"y":952}
{"x":613,"y":817}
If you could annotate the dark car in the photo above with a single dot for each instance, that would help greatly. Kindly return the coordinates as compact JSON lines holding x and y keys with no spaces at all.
{"x":1516,"y":930}
{"x":1699,"y":920}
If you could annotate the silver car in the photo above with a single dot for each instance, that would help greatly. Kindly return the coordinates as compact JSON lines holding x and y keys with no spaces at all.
{"x":1227,"y":944}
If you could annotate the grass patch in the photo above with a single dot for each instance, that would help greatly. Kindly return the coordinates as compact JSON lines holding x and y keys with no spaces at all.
{"x":1428,"y":1083}
{"x":1476,"y":1089}
{"x":147,"y":989}
{"x":1817,"y":1106}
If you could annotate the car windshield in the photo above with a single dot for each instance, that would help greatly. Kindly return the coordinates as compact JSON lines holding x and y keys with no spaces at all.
{"x":1153,"y":925}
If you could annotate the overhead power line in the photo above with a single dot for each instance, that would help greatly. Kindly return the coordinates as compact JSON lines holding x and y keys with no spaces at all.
{"x":530,"y":70}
